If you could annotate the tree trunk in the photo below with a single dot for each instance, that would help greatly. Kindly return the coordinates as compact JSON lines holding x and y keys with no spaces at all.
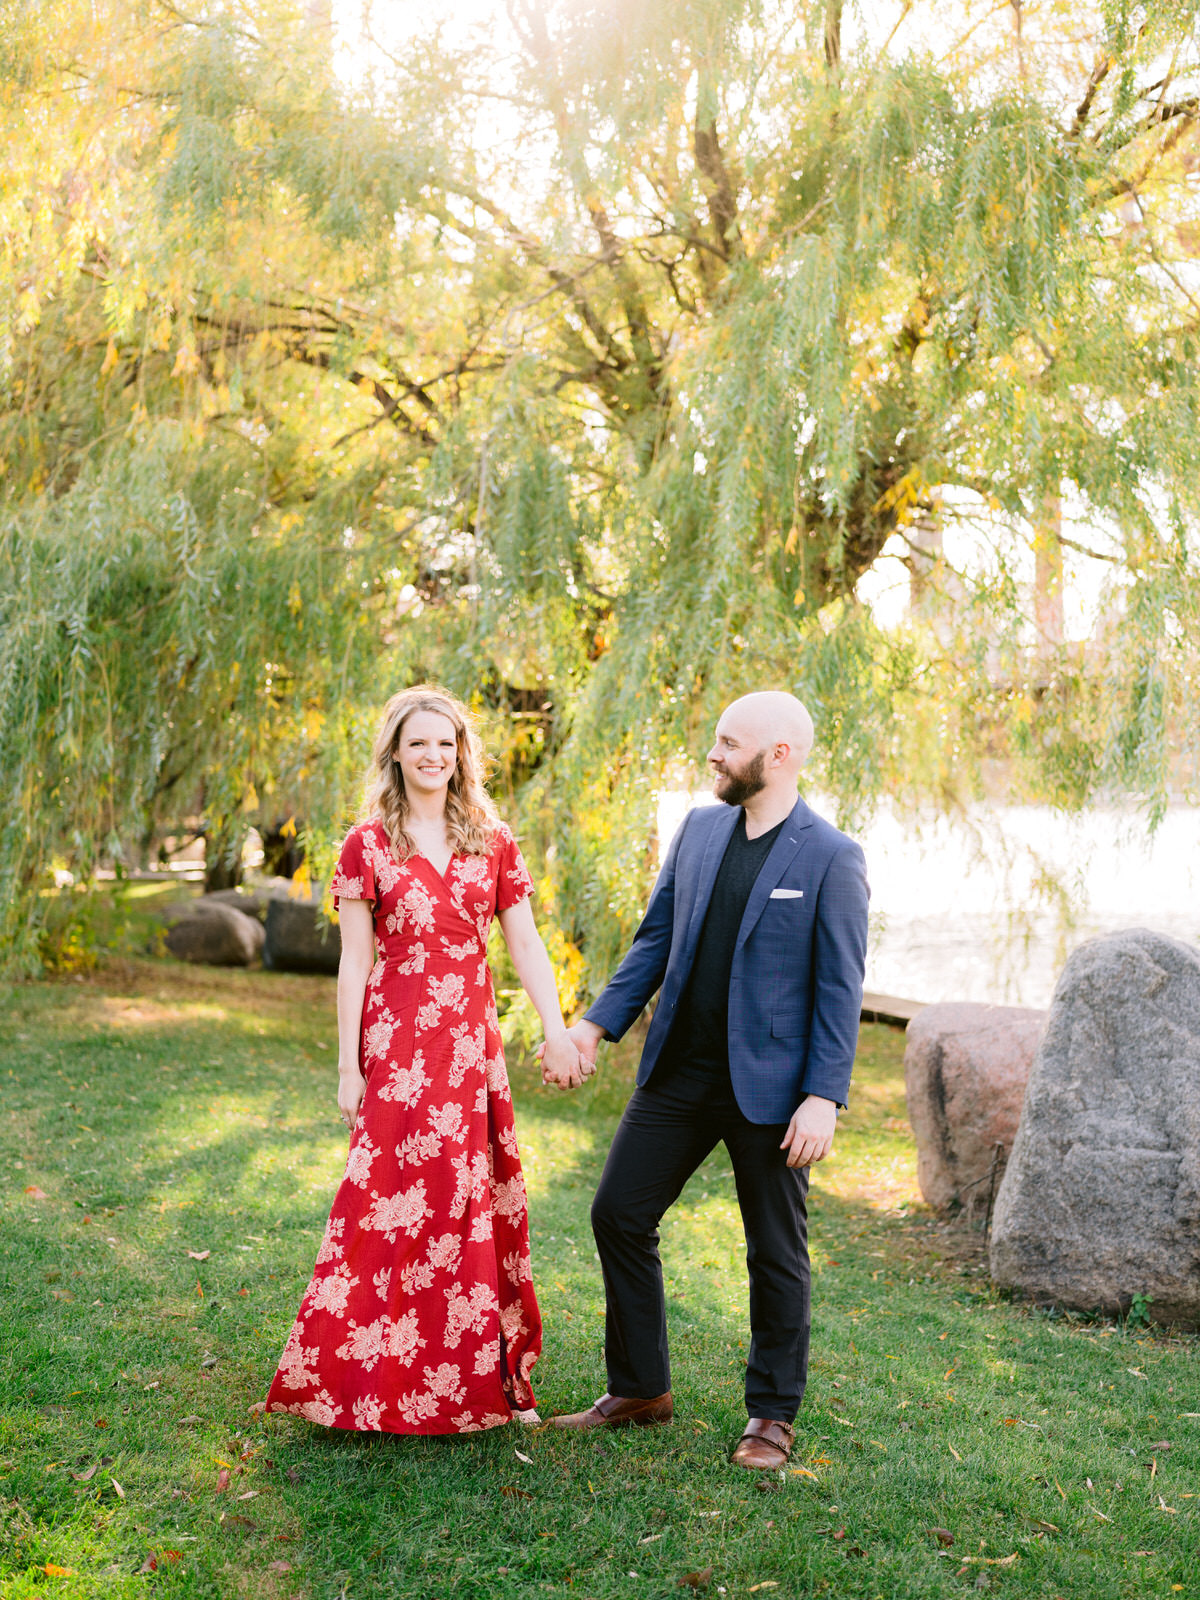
{"x":1048,"y":575}
{"x":222,"y":861}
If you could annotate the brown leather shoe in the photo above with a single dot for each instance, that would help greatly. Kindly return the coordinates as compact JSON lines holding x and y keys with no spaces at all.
{"x":765,"y":1445}
{"x":611,"y":1411}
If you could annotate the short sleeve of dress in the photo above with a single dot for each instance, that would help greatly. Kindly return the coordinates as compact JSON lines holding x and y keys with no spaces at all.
{"x":513,"y":882}
{"x":353,"y":877}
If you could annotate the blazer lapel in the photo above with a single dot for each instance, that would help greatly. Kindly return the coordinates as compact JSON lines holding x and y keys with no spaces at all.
{"x":783,"y":851}
{"x":706,"y":877}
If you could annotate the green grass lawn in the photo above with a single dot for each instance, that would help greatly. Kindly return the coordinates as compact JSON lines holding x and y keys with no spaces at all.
{"x":155,"y":1115}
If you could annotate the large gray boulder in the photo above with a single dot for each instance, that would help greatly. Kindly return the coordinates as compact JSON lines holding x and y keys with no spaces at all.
{"x":1101,"y":1199}
{"x":965,"y":1070}
{"x":298,"y":938}
{"x":214,"y":934}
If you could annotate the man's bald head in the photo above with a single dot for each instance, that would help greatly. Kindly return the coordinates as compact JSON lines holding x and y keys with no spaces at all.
{"x":761,"y":743}
{"x":772,"y":717}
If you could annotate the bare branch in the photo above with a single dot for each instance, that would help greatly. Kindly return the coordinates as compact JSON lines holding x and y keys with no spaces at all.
{"x":1101,"y":70}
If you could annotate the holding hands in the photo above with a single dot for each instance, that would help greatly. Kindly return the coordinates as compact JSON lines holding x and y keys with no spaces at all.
{"x":569,"y":1057}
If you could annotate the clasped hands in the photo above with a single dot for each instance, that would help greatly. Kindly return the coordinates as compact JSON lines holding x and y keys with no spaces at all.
{"x":570,"y":1057}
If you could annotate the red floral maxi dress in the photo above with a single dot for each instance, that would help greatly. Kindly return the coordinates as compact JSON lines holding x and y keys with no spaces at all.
{"x":421,"y":1316}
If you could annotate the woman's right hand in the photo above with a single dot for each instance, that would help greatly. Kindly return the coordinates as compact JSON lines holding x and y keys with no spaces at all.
{"x":351,"y":1088}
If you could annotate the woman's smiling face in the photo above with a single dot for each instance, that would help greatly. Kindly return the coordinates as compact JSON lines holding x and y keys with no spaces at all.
{"x":427,"y":752}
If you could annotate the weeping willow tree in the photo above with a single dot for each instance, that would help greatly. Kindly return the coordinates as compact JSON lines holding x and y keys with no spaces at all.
{"x":594,"y":361}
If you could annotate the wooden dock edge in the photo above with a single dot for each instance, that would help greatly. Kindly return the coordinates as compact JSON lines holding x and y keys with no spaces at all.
{"x":889,"y":1008}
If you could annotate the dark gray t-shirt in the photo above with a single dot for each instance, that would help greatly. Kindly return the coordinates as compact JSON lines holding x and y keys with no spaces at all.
{"x":699,"y":1039}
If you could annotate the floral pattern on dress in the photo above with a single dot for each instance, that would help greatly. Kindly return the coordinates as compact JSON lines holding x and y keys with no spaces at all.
{"x":421,"y":1316}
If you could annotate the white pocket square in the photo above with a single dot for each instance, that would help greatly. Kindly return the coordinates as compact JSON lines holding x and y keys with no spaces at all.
{"x":787,"y":894}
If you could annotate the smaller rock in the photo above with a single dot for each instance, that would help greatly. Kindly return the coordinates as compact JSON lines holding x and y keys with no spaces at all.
{"x":965,"y":1070}
{"x":216,"y":935}
{"x":250,"y":902}
{"x":299,"y":938}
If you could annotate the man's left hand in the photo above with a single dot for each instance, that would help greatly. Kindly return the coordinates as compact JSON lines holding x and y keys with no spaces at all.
{"x":810,"y":1133}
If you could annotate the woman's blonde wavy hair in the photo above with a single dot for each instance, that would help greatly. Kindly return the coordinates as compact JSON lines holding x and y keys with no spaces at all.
{"x":471,"y":819}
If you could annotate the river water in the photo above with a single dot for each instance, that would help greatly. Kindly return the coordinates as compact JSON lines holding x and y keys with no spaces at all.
{"x":988,"y":908}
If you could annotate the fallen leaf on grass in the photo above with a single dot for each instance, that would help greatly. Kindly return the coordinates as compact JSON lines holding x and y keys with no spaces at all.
{"x":188,"y":1422}
{"x":118,"y":1488}
{"x":222,"y":1481}
{"x":943,"y":1536}
{"x":87,"y":1474}
{"x":1163,"y":1444}
{"x":199,"y":1255}
{"x":34,"y":1193}
{"x":53,"y":1571}
{"x":767,"y":1583}
{"x":803,"y":1472}
{"x":514,"y":1493}
{"x":695,"y":1580}
{"x":649,"y":1538}
{"x":240,"y":1522}
{"x":250,"y":1494}
{"x":521,"y":1456}
{"x":1137,"y":1373}
{"x":992,"y":1561}
{"x":208,"y":1360}
{"x":953,"y":1452}
{"x":279,"y":1566}
{"x":149,"y":1565}
{"x":259,"y":1406}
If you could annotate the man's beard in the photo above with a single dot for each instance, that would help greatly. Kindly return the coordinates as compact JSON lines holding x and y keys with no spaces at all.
{"x":736,"y":788}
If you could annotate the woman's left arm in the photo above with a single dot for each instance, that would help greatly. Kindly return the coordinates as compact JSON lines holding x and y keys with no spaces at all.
{"x":560,"y":1061}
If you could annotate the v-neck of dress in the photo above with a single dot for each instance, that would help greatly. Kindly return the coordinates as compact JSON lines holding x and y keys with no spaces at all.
{"x":419,"y":855}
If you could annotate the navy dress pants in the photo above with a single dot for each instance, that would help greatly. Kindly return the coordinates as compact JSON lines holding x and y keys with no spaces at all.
{"x":668,"y":1129}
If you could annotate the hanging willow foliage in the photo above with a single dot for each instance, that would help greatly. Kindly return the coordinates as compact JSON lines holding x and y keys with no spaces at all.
{"x":590,"y":363}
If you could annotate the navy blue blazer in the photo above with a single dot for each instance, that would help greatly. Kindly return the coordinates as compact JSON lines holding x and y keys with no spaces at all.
{"x":795,"y":989}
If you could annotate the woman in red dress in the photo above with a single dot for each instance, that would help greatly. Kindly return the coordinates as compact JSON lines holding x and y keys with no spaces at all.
{"x":421,"y":1316}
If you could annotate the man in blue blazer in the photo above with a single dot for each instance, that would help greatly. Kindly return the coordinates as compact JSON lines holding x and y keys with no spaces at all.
{"x":756,"y":935}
